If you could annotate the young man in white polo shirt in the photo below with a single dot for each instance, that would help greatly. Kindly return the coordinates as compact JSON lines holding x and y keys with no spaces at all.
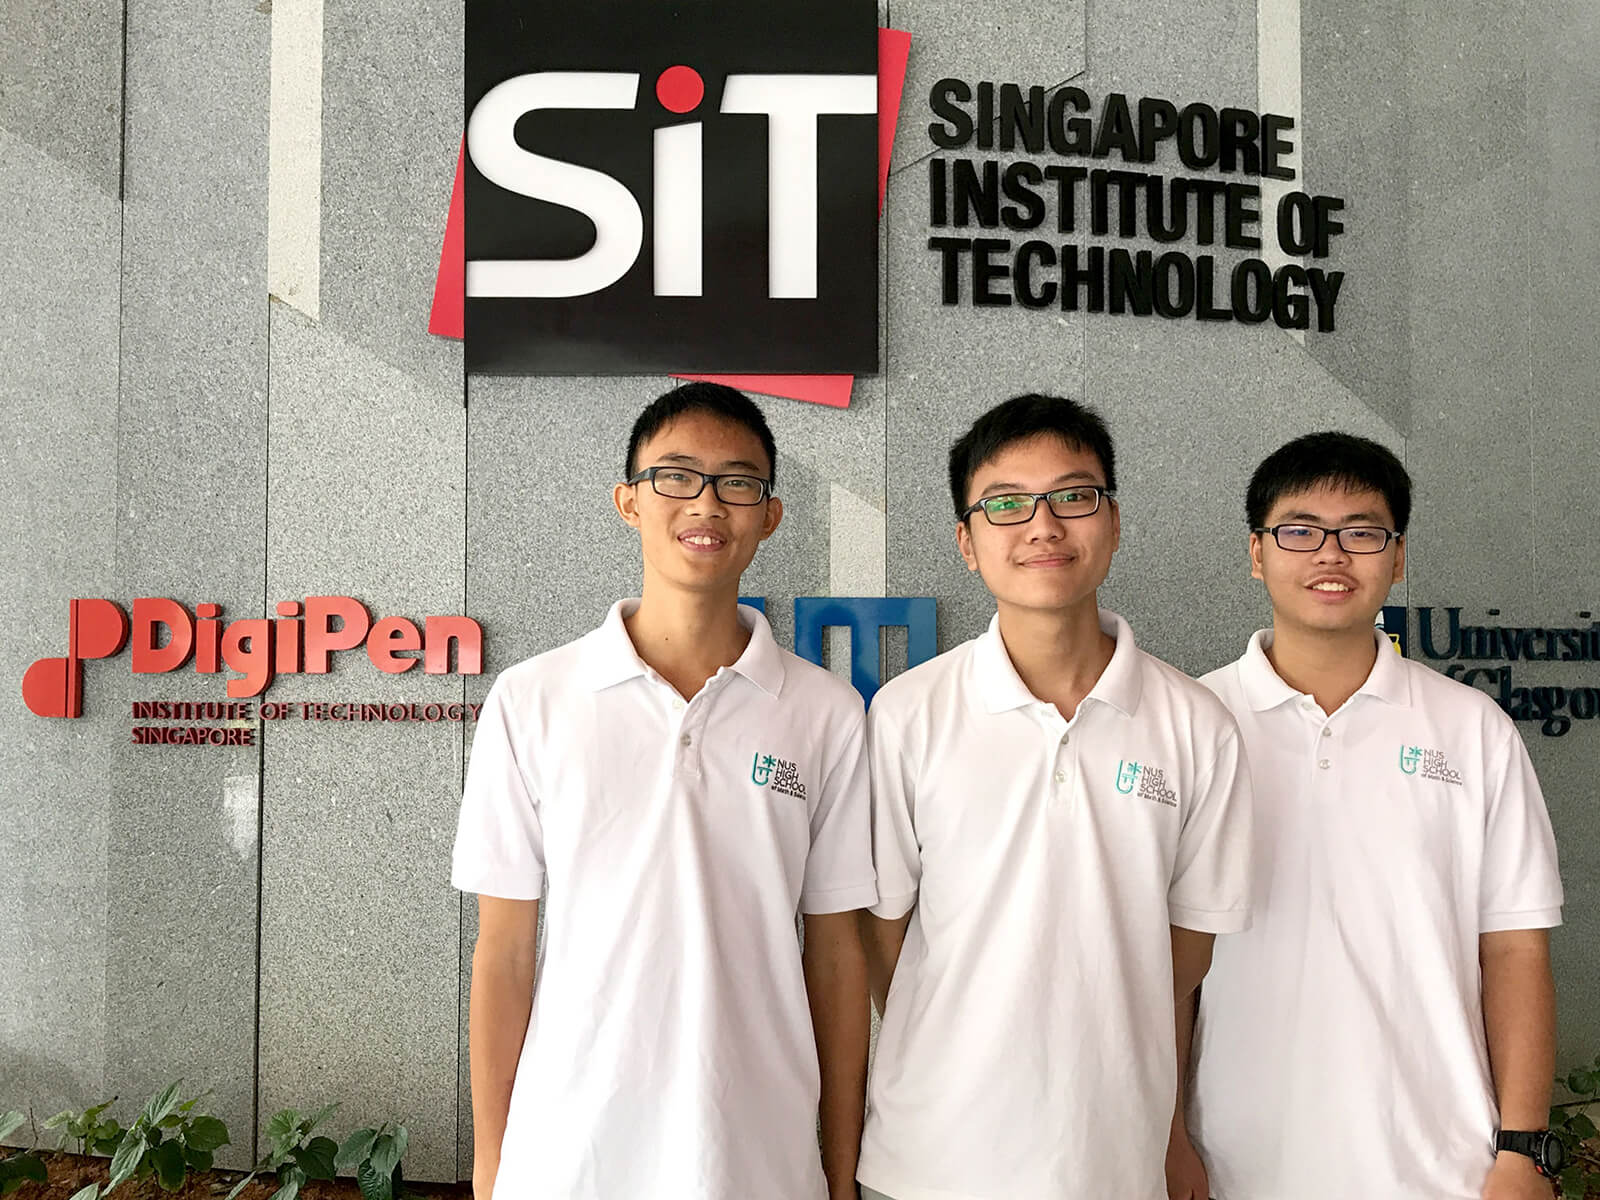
{"x":1060,"y":826}
{"x":677,"y":788}
{"x":1391,"y":1009}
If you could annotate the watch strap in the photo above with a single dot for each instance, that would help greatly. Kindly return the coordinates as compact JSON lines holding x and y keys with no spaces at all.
{"x":1533,"y":1143}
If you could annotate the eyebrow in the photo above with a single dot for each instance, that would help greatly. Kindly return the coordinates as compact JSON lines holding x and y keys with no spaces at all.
{"x":1069,"y":477}
{"x":1305,"y":518}
{"x":690,"y":460}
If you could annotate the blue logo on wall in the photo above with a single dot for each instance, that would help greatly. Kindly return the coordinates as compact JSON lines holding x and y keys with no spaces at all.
{"x":865,"y":617}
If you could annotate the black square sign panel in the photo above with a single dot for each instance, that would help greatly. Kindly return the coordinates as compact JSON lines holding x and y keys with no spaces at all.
{"x":657,"y":187}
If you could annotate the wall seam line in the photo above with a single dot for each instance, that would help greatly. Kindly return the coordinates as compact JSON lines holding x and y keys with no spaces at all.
{"x":261,"y":749}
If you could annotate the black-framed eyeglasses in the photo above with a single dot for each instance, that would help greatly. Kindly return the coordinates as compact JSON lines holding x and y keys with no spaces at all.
{"x":1353,"y":539}
{"x":684,"y":483}
{"x":1017,"y":508}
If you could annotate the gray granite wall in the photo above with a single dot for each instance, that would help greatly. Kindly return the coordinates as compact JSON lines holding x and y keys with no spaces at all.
{"x":190,"y":413}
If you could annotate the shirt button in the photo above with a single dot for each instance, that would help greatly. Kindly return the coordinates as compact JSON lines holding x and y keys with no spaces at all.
{"x":1323,"y":763}
{"x":1061,"y":776}
{"x":677,"y":703}
{"x":1308,"y":704}
{"x":1326,"y":732}
{"x":687,"y":740}
{"x":1064,"y":738}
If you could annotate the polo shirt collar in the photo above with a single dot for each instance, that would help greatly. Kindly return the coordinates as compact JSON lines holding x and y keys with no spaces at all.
{"x":1264,"y":688}
{"x":1000,"y":688}
{"x":613,"y":659}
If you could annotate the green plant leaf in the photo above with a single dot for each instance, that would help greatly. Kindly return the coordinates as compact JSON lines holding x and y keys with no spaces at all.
{"x":1581,"y":1126}
{"x":402,"y":1139}
{"x":92,"y":1192}
{"x":55,"y":1122}
{"x":20,"y":1169}
{"x":281,"y":1127}
{"x":385,"y":1153}
{"x":125,"y":1161}
{"x":161,"y":1104}
{"x":290,"y":1180}
{"x":206,"y":1133}
{"x":10,"y":1121}
{"x":240,"y":1186}
{"x":167,"y":1159}
{"x":91,"y":1115}
{"x":198,"y":1160}
{"x":104,"y":1138}
{"x":373,"y":1186}
{"x":316,"y":1157}
{"x":355,"y":1149}
{"x":1572,"y":1183}
{"x":321,"y":1115}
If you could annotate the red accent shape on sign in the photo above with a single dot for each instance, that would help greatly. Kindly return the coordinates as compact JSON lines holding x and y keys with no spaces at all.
{"x":448,"y":315}
{"x":449,"y":289}
{"x":44,"y":687}
{"x":680,"y":89}
{"x":53,"y":687}
{"x":831,"y":390}
{"x":97,"y":629}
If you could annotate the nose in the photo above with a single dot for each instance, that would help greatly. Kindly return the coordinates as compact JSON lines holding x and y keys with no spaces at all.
{"x":1330,"y":551}
{"x":706,"y":504}
{"x":1044,"y":525}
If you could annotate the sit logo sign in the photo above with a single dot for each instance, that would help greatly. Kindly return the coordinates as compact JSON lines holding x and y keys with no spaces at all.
{"x":655,"y":188}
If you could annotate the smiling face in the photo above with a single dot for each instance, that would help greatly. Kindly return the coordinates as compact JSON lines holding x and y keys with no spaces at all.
{"x":701,"y":544}
{"x":1049,"y":563}
{"x":1328,"y":590}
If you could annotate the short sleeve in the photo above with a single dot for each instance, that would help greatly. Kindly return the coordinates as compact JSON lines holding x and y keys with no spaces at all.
{"x":838,"y":876}
{"x":1210,"y":889}
{"x":499,"y":847}
{"x":1521,"y":884}
{"x":895,"y":853}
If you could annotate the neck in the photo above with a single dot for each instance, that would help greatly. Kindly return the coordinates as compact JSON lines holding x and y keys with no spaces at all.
{"x":686,"y":637}
{"x":1058,"y":653}
{"x":1330,"y":666}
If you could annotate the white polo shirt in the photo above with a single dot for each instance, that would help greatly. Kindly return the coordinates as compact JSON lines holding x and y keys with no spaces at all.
{"x":1340,"y":1050}
{"x":1027,"y":1043}
{"x":670,"y":1053}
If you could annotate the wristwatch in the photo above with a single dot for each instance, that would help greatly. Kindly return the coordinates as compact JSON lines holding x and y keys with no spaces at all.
{"x":1545,"y":1148}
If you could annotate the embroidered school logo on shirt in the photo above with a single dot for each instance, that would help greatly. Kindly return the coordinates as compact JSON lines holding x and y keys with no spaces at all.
{"x":1149,"y":782}
{"x":778,"y":774}
{"x":1428,"y":764}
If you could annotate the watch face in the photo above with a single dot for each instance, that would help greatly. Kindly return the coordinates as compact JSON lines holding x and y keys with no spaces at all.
{"x":1553,"y":1153}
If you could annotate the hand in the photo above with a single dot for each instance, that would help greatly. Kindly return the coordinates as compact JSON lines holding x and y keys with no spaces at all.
{"x":1186,"y":1174}
{"x":1514,"y":1177}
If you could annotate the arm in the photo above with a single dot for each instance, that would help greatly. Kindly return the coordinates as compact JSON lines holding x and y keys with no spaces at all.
{"x":498,"y":1010}
{"x":1191,"y":958}
{"x":1519,"y":1020}
{"x":883,"y":939}
{"x":836,"y":985}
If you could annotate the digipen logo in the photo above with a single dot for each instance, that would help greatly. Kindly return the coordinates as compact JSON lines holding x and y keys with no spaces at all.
{"x":686,"y":188}
{"x":53,"y":687}
{"x":166,"y":637}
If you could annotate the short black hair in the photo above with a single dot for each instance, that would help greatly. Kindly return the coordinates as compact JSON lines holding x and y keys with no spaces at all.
{"x":715,"y":398}
{"x":1329,"y":459}
{"x":1018,"y":419}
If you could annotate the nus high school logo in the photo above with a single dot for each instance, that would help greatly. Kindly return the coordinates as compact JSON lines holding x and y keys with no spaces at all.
{"x":1428,"y":764}
{"x":655,"y":188}
{"x":1149,"y":783}
{"x":778,"y":774}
